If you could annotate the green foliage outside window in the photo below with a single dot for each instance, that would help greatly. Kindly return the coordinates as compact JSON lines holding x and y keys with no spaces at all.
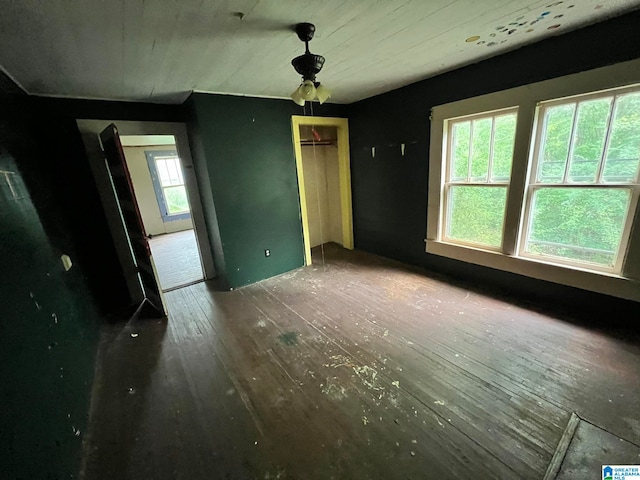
{"x":176,"y":199}
{"x":476,"y":214}
{"x":583,"y":224}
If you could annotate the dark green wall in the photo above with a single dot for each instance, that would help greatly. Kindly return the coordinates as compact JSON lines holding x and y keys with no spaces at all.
{"x":245,"y":144}
{"x":390,"y":191}
{"x":46,"y":368}
{"x":70,"y":108}
{"x":208,"y":204}
{"x":54,"y":120}
{"x":49,"y":324}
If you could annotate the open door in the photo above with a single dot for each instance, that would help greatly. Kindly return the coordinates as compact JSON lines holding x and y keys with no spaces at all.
{"x":152,"y":304}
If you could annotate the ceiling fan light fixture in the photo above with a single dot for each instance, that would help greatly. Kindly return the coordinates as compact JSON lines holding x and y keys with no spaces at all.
{"x":322,"y":93}
{"x":307,"y":90}
{"x":297,"y":97}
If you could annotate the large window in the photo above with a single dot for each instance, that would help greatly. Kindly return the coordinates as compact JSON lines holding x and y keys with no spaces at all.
{"x":583,"y":177}
{"x":168,"y":183}
{"x":479,"y":168}
{"x":543,"y":180}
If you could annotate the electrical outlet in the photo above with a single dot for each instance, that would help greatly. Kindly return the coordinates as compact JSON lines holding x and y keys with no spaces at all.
{"x":267,"y":253}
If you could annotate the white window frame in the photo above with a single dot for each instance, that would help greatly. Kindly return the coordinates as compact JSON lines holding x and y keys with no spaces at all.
{"x":527,"y":100}
{"x":448,"y":182}
{"x":153,"y":156}
{"x":534,"y":185}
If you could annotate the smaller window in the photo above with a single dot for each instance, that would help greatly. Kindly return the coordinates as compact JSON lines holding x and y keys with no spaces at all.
{"x":478,"y":166}
{"x":168,"y":183}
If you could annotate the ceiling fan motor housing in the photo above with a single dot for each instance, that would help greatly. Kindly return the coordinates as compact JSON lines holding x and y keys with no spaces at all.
{"x":308,"y":65}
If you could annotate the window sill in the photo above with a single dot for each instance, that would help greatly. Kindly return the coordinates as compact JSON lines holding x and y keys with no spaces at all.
{"x":600,"y":282}
{"x":173,"y":218}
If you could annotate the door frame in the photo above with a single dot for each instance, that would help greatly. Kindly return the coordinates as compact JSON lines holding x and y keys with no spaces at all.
{"x":344,"y":170}
{"x":89,"y":130}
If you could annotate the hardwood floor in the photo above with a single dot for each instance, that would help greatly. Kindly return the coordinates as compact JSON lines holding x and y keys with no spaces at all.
{"x":176,"y":258}
{"x":359,"y":369}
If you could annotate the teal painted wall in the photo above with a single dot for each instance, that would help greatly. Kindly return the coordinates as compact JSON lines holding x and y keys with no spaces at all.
{"x":208,"y":205}
{"x":250,"y":163}
{"x":48,"y":322}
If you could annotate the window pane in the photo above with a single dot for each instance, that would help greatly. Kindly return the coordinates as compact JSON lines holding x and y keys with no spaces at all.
{"x":480,"y":149}
{"x":476,"y":214}
{"x":589,"y":136}
{"x":460,"y":142}
{"x":503,"y":138}
{"x":163,"y":173}
{"x":582,"y":224}
{"x":176,"y":199}
{"x":555,"y":150}
{"x":173,"y":168}
{"x":624,"y":145}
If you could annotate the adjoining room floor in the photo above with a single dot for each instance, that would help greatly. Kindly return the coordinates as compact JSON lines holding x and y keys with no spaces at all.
{"x":359,"y":369}
{"x":176,"y":258}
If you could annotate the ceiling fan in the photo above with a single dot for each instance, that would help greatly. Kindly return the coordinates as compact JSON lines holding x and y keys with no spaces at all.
{"x":308,"y":65}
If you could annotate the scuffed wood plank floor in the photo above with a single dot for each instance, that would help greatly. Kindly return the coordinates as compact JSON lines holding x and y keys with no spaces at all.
{"x":359,"y":369}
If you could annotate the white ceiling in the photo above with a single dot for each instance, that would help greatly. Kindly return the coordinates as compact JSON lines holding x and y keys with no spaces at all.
{"x":160,"y":50}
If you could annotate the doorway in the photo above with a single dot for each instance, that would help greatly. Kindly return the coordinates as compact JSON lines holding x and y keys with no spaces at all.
{"x":154,"y":131}
{"x":324,"y":181}
{"x":157,"y":175}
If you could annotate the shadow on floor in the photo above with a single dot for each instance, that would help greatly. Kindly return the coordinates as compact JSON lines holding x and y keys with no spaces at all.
{"x":127,"y":357}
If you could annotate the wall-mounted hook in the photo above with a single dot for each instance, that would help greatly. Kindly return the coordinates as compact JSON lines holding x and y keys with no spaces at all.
{"x":373,"y":152}
{"x":402,"y":145}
